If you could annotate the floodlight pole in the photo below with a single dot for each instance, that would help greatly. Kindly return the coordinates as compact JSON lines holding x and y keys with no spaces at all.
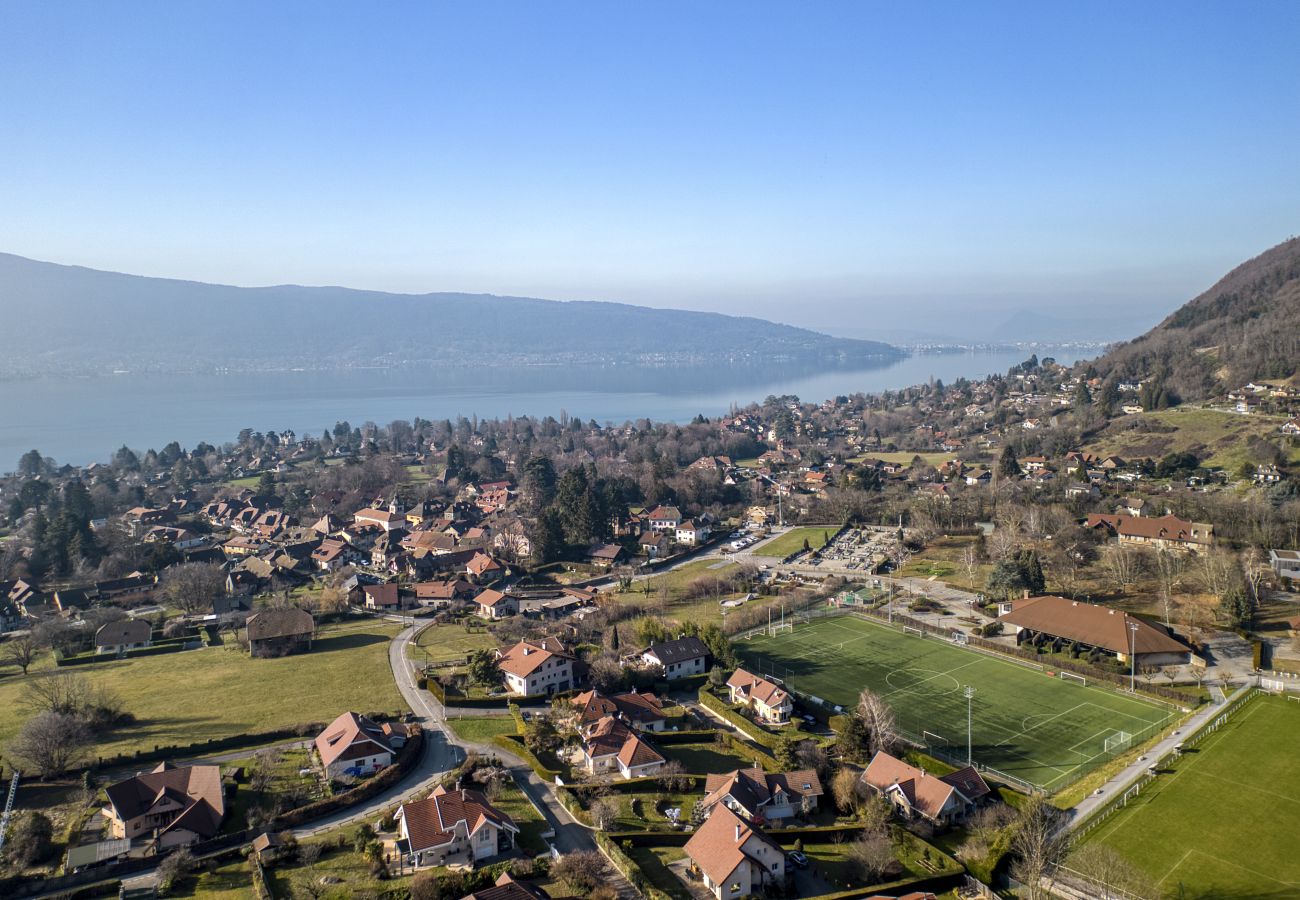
{"x":970,"y":696}
{"x":1132,"y":657}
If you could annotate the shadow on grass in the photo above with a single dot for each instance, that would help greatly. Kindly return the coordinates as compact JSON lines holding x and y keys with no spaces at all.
{"x":345,"y":642}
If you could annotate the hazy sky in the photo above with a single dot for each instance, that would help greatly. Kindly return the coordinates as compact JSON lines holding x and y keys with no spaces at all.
{"x":846,"y":166}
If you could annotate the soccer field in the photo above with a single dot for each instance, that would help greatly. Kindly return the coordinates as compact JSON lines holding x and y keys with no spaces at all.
{"x":1044,"y":730}
{"x":1223,"y":823}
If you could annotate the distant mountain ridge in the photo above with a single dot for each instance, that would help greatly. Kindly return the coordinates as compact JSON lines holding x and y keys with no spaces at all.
{"x":75,"y":320}
{"x":1247,"y":326}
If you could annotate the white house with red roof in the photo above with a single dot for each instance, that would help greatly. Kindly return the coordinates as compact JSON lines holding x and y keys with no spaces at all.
{"x":770,"y":702}
{"x":735,"y":858}
{"x":610,"y":747}
{"x":942,"y":800}
{"x":353,"y":745}
{"x":453,"y":828}
{"x":537,"y":668}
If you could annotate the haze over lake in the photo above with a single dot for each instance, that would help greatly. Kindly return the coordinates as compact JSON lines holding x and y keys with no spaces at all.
{"x":82,"y":420}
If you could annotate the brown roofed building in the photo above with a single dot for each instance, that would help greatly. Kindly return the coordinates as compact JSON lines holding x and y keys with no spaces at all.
{"x":763,"y":797}
{"x":537,"y":668}
{"x":735,"y":858}
{"x":1163,"y":532}
{"x":167,"y":806}
{"x":453,"y":827}
{"x":279,"y":632}
{"x":770,"y":702}
{"x":642,"y":711}
{"x":353,"y":745}
{"x":610,"y":746}
{"x":1111,"y":630}
{"x":506,"y":888}
{"x":942,"y":800}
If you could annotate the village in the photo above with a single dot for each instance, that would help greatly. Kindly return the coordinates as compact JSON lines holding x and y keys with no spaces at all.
{"x":626,"y":648}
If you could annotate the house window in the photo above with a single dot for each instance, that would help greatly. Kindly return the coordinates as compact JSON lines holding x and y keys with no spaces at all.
{"x":735,"y":887}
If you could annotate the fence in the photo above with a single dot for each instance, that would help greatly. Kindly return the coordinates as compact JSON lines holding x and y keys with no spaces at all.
{"x":1120,"y":800}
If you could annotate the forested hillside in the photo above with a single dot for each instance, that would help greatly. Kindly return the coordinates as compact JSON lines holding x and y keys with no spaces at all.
{"x":1245,"y":327}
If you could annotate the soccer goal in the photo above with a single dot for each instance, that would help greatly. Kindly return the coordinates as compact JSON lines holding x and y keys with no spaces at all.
{"x":775,"y":629}
{"x":1070,"y":676}
{"x":958,"y":637}
{"x":912,"y":629}
{"x":1120,"y":740}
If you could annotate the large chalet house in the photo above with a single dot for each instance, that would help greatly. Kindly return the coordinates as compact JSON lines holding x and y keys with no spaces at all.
{"x":612,"y":747}
{"x":168,"y":806}
{"x":1111,"y":630}
{"x":1164,"y":532}
{"x":537,"y":668}
{"x":279,"y":632}
{"x":769,"y":702}
{"x":456,"y":827}
{"x":763,"y":796}
{"x":680,"y":658}
{"x":353,"y":745}
{"x":941,"y":800}
{"x":735,"y":858}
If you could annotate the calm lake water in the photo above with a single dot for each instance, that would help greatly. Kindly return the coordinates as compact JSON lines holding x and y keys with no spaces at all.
{"x":82,"y":420}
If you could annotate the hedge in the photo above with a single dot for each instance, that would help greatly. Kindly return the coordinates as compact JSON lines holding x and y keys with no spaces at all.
{"x":751,"y":730}
{"x":629,"y":868}
{"x":84,"y":658}
{"x":212,"y":745}
{"x":514,"y":745}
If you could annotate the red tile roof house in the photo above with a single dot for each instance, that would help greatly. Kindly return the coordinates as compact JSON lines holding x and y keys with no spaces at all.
{"x":537,"y":668}
{"x":1091,"y":625}
{"x":483,"y":567}
{"x":609,"y":746}
{"x":122,"y":635}
{"x":735,"y":858}
{"x":664,"y":518}
{"x":506,"y":888}
{"x":763,"y":797}
{"x":453,"y":828}
{"x":943,"y":800}
{"x":644,"y":712}
{"x":167,"y":806}
{"x":353,"y":745}
{"x":496,"y":605}
{"x":770,"y":703}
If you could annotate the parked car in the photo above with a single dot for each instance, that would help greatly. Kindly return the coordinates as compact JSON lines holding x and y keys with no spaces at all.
{"x":797,"y":859}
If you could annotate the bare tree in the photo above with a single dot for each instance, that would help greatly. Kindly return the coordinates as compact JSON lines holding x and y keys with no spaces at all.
{"x":579,"y":872}
{"x":192,"y":587}
{"x":22,"y":651}
{"x":1103,"y":865}
{"x":1121,"y":564}
{"x":51,"y":742}
{"x":59,"y":692}
{"x":1168,"y":566}
{"x":871,"y":855}
{"x":970,"y":563}
{"x":1040,"y":845}
{"x":844,"y":789}
{"x":878,"y":718}
{"x":604,"y":812}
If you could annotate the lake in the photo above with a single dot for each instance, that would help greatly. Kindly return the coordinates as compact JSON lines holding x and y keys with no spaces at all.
{"x":82,"y":420}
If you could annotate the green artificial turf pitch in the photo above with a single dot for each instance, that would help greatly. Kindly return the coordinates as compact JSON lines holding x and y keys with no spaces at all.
{"x":1025,"y":723}
{"x":1222,"y":821}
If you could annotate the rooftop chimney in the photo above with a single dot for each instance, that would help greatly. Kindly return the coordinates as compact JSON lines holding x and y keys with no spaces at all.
{"x":737,"y":831}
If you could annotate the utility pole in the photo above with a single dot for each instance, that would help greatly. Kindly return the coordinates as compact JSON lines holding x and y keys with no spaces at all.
{"x":1132,"y":656}
{"x":970,"y":697}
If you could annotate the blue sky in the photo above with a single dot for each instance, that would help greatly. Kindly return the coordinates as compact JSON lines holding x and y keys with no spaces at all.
{"x":857,"y":167}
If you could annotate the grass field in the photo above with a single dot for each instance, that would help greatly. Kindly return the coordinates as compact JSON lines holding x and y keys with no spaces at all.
{"x":444,"y":643}
{"x":703,"y":759}
{"x":792,"y":541}
{"x":482,"y":729}
{"x":1223,"y":824}
{"x":182,"y":698}
{"x":1043,"y":730}
{"x":1218,"y":438}
{"x":668,"y":590}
